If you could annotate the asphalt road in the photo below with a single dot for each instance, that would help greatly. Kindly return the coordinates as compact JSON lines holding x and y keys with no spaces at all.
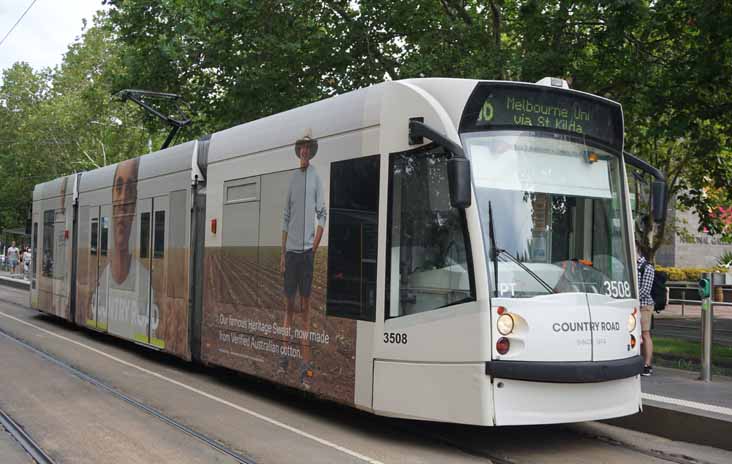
{"x":10,"y":451}
{"x":76,"y":422}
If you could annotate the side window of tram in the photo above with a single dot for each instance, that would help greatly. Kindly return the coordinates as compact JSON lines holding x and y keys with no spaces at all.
{"x":159,"y":235}
{"x":94,"y":236}
{"x":104,"y":236}
{"x":34,"y":254}
{"x":49,"y":217}
{"x":353,"y":238}
{"x":428,"y":266}
{"x":144,"y":235}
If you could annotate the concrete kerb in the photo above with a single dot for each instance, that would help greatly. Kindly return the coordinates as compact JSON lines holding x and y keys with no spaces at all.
{"x":681,"y":424}
{"x":12,"y":282}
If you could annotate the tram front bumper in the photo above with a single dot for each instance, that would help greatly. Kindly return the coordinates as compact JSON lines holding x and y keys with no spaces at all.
{"x":566,"y":372}
{"x":558,"y":392}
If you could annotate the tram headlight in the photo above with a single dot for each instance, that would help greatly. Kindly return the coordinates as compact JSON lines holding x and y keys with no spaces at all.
{"x":505,"y":324}
{"x":631,"y":323}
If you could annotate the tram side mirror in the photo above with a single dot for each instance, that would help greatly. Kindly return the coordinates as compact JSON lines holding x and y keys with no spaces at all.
{"x":458,"y":175}
{"x":658,"y":200}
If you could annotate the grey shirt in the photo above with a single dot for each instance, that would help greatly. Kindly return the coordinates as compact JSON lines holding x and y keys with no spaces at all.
{"x":304,"y":209}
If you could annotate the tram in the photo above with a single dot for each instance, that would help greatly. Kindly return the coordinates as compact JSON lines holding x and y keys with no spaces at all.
{"x":440,"y":249}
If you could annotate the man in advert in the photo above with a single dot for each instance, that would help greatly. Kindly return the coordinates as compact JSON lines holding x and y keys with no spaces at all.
{"x":302,"y":228}
{"x":122,"y":299}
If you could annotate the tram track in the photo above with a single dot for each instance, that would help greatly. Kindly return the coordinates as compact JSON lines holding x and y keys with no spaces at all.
{"x":658,"y":454}
{"x":505,"y":458}
{"x":24,"y":440}
{"x":498,"y":454}
{"x":99,"y":384}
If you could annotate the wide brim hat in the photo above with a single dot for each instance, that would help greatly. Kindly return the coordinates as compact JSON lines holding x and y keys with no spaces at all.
{"x":312,"y":143}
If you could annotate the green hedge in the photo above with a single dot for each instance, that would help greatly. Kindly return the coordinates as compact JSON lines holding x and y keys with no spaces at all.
{"x":688,"y":273}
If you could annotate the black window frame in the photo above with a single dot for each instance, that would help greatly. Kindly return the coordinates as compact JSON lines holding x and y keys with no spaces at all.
{"x":94,"y":237}
{"x":49,"y":230}
{"x":367,"y":312}
{"x":34,"y":254}
{"x":103,"y":235}
{"x":158,"y":251}
{"x":145,"y":225}
{"x":431,"y":148}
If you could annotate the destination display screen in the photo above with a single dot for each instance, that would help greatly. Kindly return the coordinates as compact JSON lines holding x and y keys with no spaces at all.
{"x":517,"y":106}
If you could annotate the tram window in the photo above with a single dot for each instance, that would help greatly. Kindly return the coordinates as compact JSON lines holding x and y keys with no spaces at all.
{"x":34,"y":255}
{"x":94,"y":236}
{"x":429,"y":265}
{"x":159,"y":231}
{"x":144,"y":235}
{"x":104,"y":236}
{"x":353,"y":238}
{"x":49,"y":217}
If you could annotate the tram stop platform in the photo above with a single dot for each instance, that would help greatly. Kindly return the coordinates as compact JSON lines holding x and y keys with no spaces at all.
{"x":14,"y":280}
{"x":678,"y":406}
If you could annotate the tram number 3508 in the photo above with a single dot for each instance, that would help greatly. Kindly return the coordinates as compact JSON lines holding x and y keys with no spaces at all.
{"x":395,"y":337}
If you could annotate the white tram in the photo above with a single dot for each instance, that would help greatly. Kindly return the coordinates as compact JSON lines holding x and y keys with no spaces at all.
{"x":441,"y":249}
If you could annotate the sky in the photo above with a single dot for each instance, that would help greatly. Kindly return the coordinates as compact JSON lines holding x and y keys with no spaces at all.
{"x":44,"y":34}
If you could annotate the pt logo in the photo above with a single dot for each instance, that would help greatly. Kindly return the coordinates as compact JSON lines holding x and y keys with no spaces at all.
{"x":486,"y":113}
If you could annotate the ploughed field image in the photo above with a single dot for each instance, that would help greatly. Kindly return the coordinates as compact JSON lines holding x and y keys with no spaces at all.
{"x":244,"y":311}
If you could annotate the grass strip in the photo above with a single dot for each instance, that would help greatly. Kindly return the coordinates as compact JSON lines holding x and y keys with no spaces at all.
{"x":691,"y":350}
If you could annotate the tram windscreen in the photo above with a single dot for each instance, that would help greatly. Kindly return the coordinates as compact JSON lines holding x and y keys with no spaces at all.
{"x":557,"y":214}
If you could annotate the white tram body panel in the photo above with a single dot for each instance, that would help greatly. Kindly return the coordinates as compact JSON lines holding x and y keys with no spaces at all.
{"x":405,"y":324}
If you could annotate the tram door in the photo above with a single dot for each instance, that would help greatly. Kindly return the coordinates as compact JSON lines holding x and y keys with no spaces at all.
{"x":144,"y":221}
{"x":158,"y":268}
{"x":98,"y":269}
{"x":152,"y":224}
{"x":105,"y":270}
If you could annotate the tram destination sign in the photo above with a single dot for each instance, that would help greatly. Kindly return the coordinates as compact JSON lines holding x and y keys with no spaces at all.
{"x":502,"y":106}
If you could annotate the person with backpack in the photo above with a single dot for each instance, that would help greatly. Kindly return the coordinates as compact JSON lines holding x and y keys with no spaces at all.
{"x":646,"y":274}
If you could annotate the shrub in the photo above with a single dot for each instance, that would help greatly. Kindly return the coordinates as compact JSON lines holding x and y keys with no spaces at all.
{"x":688,"y":273}
{"x":725,"y":260}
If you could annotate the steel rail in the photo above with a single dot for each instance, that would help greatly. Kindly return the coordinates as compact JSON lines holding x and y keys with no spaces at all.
{"x":152,"y":411}
{"x":411,"y":428}
{"x":24,"y":440}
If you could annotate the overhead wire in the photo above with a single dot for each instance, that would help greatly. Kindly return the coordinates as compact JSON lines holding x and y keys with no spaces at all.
{"x":17,"y":22}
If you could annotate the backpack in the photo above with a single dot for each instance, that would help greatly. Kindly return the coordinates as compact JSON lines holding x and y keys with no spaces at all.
{"x":658,"y":289}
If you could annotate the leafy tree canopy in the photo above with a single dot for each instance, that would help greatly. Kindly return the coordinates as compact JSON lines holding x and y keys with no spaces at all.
{"x":668,"y":62}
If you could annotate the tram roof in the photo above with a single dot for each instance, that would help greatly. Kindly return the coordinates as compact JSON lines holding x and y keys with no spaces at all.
{"x":54,"y":188}
{"x":173,"y":159}
{"x":335,"y":115}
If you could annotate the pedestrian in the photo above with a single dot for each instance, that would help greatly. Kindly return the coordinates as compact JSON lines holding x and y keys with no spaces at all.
{"x":27,"y":261}
{"x":646,"y":272}
{"x":12,"y":257}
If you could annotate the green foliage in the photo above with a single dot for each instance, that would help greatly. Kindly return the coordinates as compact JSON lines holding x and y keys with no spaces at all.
{"x":668,"y":62}
{"x":56,"y":122}
{"x":725,"y":260}
{"x":690,"y":350}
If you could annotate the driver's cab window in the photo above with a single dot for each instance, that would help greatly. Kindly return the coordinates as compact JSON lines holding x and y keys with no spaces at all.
{"x":429,"y":265}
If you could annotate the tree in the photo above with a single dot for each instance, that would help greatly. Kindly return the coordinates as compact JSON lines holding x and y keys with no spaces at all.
{"x":56,"y":122}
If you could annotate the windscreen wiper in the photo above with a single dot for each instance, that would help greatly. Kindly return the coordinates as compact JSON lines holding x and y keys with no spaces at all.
{"x":494,"y":248}
{"x":543,"y":283}
{"x":496,"y":252}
